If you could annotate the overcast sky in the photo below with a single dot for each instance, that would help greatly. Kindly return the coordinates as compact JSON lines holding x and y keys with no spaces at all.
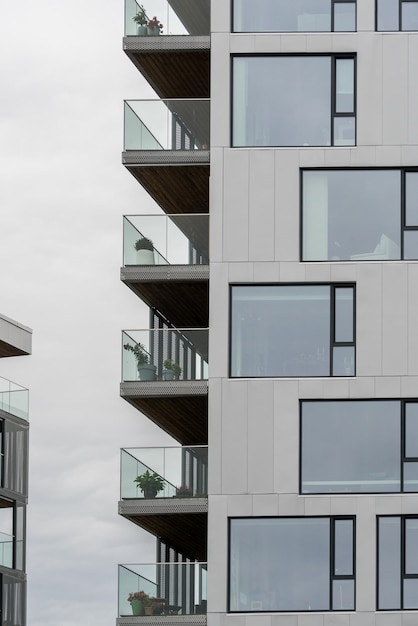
{"x":63,"y":191}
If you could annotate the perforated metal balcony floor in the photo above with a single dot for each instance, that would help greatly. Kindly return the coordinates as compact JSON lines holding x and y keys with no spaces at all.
{"x":179,"y":292}
{"x":181,"y":522}
{"x":179,"y":407}
{"x":161,"y":620}
{"x":176,"y":66}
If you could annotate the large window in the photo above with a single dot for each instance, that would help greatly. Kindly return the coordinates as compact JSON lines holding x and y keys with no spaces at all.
{"x":294,"y":16}
{"x":397,"y":562}
{"x":293,"y":100}
{"x":292,"y":330}
{"x":358,"y":446}
{"x":292,"y":564}
{"x":359,"y":215}
{"x":396,"y":15}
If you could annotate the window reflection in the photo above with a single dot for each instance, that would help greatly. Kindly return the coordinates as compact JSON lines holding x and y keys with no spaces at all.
{"x":351,"y":215}
{"x":294,"y":16}
{"x":284,"y":564}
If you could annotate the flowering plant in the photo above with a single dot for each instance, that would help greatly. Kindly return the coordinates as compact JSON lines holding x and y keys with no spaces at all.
{"x":139,"y":351}
{"x":183,"y":490}
{"x":140,"y":595}
{"x":154,"y":23}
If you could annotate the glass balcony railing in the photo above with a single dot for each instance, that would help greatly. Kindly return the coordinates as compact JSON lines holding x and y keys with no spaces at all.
{"x":177,"y":17}
{"x":175,"y":472}
{"x":165,"y":354}
{"x":14,"y":399}
{"x":162,"y":589}
{"x":166,"y":239}
{"x":166,"y":124}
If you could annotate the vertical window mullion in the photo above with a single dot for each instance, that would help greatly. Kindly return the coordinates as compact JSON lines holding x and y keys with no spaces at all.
{"x":403,"y":447}
{"x":403,"y":546}
{"x":331,"y":562}
{"x":332,"y":15}
{"x":400,"y":21}
{"x":333,"y":95}
{"x":403,"y":210}
{"x":332,"y":330}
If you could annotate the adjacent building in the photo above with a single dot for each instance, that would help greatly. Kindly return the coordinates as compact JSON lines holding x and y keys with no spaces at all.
{"x":15,"y":340}
{"x":288,"y":131}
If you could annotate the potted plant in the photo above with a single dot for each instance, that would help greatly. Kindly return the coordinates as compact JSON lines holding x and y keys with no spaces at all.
{"x":139,"y":602}
{"x":146,"y":370}
{"x":144,"y":251}
{"x":141,"y":20}
{"x":154,"y":27}
{"x":184,"y":492}
{"x":150,"y":484}
{"x":172,"y":370}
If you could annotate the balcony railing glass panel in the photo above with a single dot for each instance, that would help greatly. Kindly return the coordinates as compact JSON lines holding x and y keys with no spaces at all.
{"x":14,"y":399}
{"x":168,"y":589}
{"x":165,"y":354}
{"x":176,"y":239}
{"x":167,"y":124}
{"x":178,"y":17}
{"x":175,"y":472}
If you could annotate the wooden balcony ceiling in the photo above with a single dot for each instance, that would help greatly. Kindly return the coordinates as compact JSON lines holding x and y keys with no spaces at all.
{"x":173,"y":73}
{"x":7,"y":349}
{"x":184,"y":532}
{"x":177,"y":188}
{"x":183,"y":417}
{"x":185,"y":304}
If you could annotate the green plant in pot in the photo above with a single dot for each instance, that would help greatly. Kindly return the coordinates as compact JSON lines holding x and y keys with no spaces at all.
{"x":141,"y":20}
{"x":146,"y":370}
{"x":144,"y":251}
{"x":172,"y":370}
{"x":139,"y":601}
{"x":150,"y":484}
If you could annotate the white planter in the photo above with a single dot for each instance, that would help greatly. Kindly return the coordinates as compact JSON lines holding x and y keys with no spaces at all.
{"x":145,"y":257}
{"x":141,"y":31}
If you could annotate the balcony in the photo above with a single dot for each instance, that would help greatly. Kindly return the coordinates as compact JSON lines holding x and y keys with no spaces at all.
{"x":174,"y":60}
{"x":14,"y":399}
{"x":164,"y":375}
{"x":164,"y":490}
{"x":166,"y":148}
{"x":15,"y":339}
{"x":165,"y":262}
{"x":152,"y":593}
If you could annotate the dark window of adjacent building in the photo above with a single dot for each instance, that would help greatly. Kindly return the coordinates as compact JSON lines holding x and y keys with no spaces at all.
{"x":293,"y":100}
{"x":359,"y":446}
{"x":397,"y":562}
{"x":292,"y":564}
{"x":12,"y":533}
{"x":292,"y":330}
{"x":393,"y":15}
{"x":294,"y":16}
{"x":359,"y":215}
{"x":13,"y":600}
{"x":14,"y":456}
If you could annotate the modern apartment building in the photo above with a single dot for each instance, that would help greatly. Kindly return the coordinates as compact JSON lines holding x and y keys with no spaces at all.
{"x":15,"y":340}
{"x":293,"y":491}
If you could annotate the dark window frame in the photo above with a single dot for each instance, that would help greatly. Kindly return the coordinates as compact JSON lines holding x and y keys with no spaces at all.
{"x":395,"y":30}
{"x":333,"y":343}
{"x":334,"y":57}
{"x":403,"y":459}
{"x":332,"y":576}
{"x":403,"y":575}
{"x":332,"y":2}
{"x":403,"y":171}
